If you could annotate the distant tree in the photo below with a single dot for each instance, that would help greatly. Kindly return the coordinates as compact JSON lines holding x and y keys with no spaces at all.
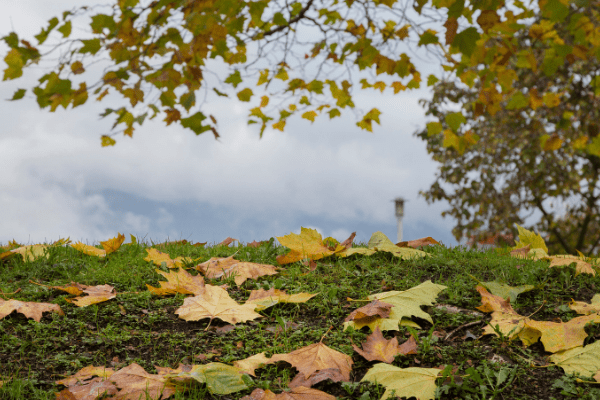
{"x":165,"y":45}
{"x":522,"y":159}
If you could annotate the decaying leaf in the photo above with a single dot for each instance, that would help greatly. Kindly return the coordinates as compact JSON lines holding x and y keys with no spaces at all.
{"x":309,"y":244}
{"x":378,"y":348}
{"x":215,"y":303}
{"x":408,"y":382}
{"x":28,"y":308}
{"x":222,"y":267}
{"x":266,"y":298}
{"x":316,"y":357}
{"x":178,"y":282}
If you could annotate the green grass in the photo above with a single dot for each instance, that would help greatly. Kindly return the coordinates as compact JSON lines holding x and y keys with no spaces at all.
{"x":138,"y":327}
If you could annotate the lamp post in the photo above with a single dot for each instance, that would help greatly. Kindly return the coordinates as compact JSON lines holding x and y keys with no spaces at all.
{"x":399,"y":214}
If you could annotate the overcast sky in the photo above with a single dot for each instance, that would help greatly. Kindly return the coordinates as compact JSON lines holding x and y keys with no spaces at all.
{"x":168,"y":183}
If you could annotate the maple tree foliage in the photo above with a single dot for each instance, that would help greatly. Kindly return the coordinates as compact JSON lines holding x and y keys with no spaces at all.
{"x":355,"y":33}
{"x":530,"y":152}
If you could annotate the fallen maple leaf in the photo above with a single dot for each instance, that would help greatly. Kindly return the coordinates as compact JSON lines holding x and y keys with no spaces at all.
{"x":227,"y":241}
{"x":248,"y":365}
{"x":332,"y":374}
{"x":581,"y":266}
{"x":97,"y":294}
{"x":30,"y":309}
{"x":406,"y":382}
{"x":219,"y":378}
{"x":129,"y":383}
{"x":308,"y":244}
{"x":415,"y":244}
{"x":370,"y":312}
{"x":581,"y":307}
{"x":503,"y":290}
{"x":584,"y":361}
{"x":378,"y":348}
{"x":297,"y":393}
{"x":266,"y":298}
{"x":215,"y":303}
{"x":316,"y":357}
{"x":221,"y":267}
{"x":380,"y":242}
{"x":158,"y":257}
{"x":180,"y":282}
{"x":108,"y":246}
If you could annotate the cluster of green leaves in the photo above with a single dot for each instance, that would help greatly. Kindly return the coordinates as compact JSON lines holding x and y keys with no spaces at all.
{"x":135,"y":33}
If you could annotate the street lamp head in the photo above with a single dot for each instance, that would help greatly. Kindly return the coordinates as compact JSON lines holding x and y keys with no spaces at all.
{"x":399,"y":206}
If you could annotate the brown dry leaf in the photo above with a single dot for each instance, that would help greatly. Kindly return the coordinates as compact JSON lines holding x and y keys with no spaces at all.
{"x":298,"y":393}
{"x":158,"y":257}
{"x":267,"y":298}
{"x":226,"y":242}
{"x":333,"y":374}
{"x":97,"y":294}
{"x":129,"y":383}
{"x":348,"y":242}
{"x":248,"y":365}
{"x":316,"y":357}
{"x":378,"y":348}
{"x":256,"y":244}
{"x":373,"y":310}
{"x":215,"y":303}
{"x":85,"y":374}
{"x":180,"y":282}
{"x":30,"y":309}
{"x":219,"y":267}
{"x":581,"y":267}
{"x":415,"y":244}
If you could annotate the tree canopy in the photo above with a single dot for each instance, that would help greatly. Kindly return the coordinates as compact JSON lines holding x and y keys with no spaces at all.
{"x":163,"y":46}
{"x":523,"y":159}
